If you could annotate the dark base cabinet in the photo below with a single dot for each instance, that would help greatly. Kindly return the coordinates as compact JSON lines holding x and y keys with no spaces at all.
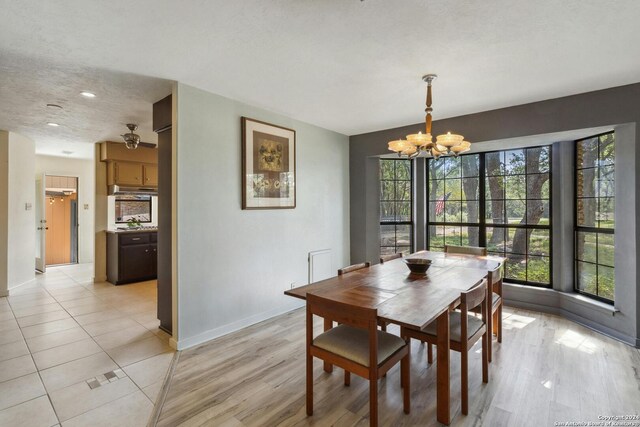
{"x":131,"y":257}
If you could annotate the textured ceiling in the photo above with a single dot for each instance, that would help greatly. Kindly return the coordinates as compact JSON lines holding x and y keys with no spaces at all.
{"x":28,"y":84}
{"x":347,"y":65}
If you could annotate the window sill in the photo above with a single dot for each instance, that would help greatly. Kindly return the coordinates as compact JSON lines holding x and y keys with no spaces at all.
{"x":562,"y":298}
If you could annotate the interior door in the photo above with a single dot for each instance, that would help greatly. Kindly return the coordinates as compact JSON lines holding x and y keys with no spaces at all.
{"x":41,"y":223}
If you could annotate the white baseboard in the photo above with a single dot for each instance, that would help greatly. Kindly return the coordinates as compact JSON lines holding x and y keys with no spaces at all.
{"x":183,"y":344}
{"x":13,"y":288}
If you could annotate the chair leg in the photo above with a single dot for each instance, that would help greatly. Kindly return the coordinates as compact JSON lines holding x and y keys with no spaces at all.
{"x":328,"y":324}
{"x":405,"y":372}
{"x":494,"y":322}
{"x":429,"y":353}
{"x":373,"y":402}
{"x":499,"y":323}
{"x":383,"y":327}
{"x":464,"y":380}
{"x":347,"y":378}
{"x":309,"y":384}
{"x":486,"y":342}
{"x":489,"y":340}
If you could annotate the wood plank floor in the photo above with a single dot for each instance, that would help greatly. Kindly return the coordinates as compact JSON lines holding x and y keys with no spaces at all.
{"x":547,"y":369}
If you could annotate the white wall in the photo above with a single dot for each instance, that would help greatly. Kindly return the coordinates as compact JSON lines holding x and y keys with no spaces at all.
{"x":85,"y":171}
{"x":111,"y":213}
{"x":17,"y":221}
{"x":233,"y":265}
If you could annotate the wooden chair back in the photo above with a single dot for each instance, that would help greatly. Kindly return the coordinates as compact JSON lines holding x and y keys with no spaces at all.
{"x":387,"y":258}
{"x":353,"y":267}
{"x":474,"y":297}
{"x":468,"y":250}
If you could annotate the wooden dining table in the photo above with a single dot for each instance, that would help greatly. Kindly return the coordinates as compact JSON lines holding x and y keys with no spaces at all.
{"x":410,"y":300}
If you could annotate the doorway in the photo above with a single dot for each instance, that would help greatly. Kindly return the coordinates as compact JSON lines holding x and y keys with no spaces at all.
{"x":59,"y":230}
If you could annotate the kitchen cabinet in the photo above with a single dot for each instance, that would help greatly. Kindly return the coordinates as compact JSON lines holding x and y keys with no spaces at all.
{"x":131,"y":256}
{"x":150,"y":175}
{"x":127,"y":173}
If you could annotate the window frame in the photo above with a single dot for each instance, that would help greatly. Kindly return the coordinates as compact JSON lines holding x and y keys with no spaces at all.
{"x":586,"y":229}
{"x":410,"y":223}
{"x":482,"y":209}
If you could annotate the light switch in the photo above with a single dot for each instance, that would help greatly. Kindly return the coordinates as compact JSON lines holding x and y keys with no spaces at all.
{"x":27,"y":206}
{"x":86,"y":206}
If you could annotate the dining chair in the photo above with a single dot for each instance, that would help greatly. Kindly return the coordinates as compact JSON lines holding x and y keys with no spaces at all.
{"x":357,"y":346}
{"x":387,"y":258}
{"x":354,"y":267}
{"x":468,"y":250}
{"x":465,"y":331}
{"x":496,"y":301}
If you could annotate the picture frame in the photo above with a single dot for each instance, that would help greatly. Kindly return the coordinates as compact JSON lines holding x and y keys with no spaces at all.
{"x":268,"y":165}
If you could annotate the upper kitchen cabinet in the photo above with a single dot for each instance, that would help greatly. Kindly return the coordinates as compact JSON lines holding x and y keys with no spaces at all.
{"x":125,"y":173}
{"x":130,"y":168}
{"x":150,"y":175}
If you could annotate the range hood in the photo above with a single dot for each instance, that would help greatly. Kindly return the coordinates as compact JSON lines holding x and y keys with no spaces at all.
{"x":122,"y":189}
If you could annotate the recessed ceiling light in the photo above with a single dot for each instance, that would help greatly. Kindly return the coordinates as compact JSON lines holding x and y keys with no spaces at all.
{"x":88,"y":94}
{"x":56,"y":106}
{"x":55,"y":125}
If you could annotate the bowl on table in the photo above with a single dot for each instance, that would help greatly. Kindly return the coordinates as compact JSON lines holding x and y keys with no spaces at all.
{"x":418,"y":265}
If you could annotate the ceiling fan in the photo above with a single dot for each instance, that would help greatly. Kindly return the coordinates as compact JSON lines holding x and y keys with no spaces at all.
{"x":132,"y":140}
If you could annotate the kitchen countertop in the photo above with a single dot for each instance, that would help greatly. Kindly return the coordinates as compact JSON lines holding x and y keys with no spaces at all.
{"x":139,"y":230}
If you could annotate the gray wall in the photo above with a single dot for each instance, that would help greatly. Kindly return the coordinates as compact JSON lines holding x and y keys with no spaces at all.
{"x":234,"y":265}
{"x":616,"y":108}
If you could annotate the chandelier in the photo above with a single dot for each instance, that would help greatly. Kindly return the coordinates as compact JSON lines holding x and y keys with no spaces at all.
{"x":417,"y":143}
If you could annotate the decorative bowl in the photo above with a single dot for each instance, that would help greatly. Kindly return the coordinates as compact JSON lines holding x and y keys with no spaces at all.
{"x":418,"y":265}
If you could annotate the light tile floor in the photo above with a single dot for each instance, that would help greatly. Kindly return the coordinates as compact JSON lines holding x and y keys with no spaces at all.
{"x":63,"y":333}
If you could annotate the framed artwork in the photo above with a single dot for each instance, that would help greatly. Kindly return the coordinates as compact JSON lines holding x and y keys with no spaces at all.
{"x":268,"y":166}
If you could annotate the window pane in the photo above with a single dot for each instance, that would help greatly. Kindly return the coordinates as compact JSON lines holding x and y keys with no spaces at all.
{"x":403,"y":169}
{"x":436,"y":237}
{"x":453,"y":212}
{"x":515,"y":210}
{"x":586,"y":246}
{"x":606,"y":182}
{"x":586,"y":182}
{"x":470,"y":166}
{"x":537,"y":212}
{"x":387,"y":235}
{"x":587,"y":278}
{"x":494,"y":210}
{"x":538,"y":160}
{"x":452,"y":235}
{"x":606,"y":213}
{"x":516,"y":241}
{"x":516,"y":267}
{"x":436,"y":168}
{"x":495,"y":163}
{"x":586,"y":214}
{"x":495,"y":239}
{"x":514,"y":162}
{"x":453,"y":189}
{"x":494,"y":188}
{"x":587,"y":153}
{"x":436,"y":211}
{"x":607,"y":149}
{"x":470,"y":236}
{"x":403,"y":190}
{"x":387,"y":250}
{"x":470,"y":212}
{"x":403,"y":211}
{"x":606,"y":281}
{"x":386,"y":169}
{"x":538,"y":269}
{"x":452,"y":167}
{"x":538,"y":186}
{"x":403,"y":235}
{"x":539,"y":242}
{"x":386,"y":190}
{"x":470,"y":188}
{"x":387,"y":212}
{"x":436,"y":189}
{"x":606,"y":249}
{"x":515,"y":187}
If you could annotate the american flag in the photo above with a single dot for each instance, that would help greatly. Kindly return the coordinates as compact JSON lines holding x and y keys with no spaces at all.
{"x":440,"y":203}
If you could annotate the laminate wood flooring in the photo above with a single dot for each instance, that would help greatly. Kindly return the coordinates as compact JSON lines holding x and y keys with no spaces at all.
{"x":548,"y":369}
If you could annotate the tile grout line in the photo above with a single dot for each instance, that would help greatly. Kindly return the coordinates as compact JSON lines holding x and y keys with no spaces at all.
{"x":46,"y":392}
{"x":166,"y":384}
